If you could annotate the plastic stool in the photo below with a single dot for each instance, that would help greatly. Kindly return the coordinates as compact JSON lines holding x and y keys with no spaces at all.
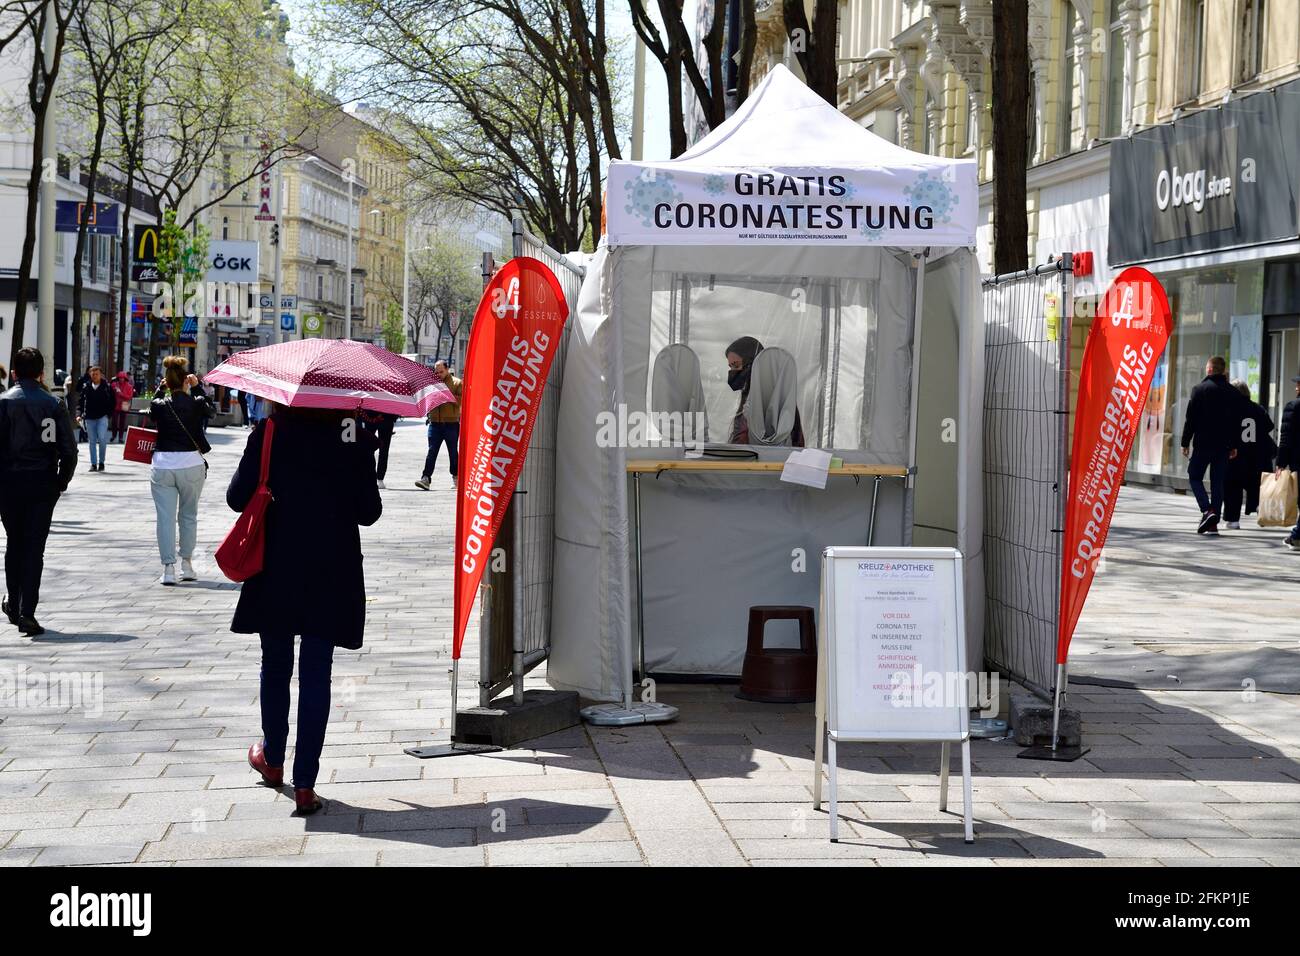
{"x":780,"y":675}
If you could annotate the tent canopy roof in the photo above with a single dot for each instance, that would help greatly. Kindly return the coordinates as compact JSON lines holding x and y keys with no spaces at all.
{"x":785,"y":124}
{"x":832,"y":181}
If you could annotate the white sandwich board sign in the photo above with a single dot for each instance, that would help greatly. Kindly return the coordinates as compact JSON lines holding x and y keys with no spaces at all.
{"x":892,"y":662}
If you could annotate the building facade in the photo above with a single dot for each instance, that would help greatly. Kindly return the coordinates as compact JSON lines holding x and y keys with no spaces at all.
{"x":1107,"y":76}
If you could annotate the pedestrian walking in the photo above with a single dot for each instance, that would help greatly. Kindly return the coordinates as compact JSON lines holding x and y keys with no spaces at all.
{"x":179,"y":469}
{"x":242,"y":397}
{"x":1212,"y":429}
{"x":1288,"y":450}
{"x":1255,"y":457}
{"x":199,"y":390}
{"x":34,"y":471}
{"x":123,"y":392}
{"x":311,"y":585}
{"x":444,"y":428}
{"x":94,"y":409}
{"x":379,"y":426}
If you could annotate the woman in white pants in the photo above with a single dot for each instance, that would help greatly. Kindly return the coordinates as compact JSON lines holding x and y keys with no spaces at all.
{"x":179,"y":469}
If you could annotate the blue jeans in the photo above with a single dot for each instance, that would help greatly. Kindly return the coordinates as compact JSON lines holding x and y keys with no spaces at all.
{"x":1217,"y":463}
{"x":440,"y":433}
{"x":176,"y":500}
{"x":97,"y":435}
{"x":315,"y":662}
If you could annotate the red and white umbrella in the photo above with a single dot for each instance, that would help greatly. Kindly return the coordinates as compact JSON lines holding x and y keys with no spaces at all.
{"x":333,"y":373}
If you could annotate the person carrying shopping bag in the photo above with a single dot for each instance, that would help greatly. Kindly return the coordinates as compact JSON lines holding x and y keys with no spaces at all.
{"x":1288,"y":452}
{"x":179,"y":469}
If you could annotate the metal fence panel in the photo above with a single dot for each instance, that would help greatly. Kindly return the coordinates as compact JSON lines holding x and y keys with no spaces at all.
{"x":521,"y":609}
{"x":1026,"y":414}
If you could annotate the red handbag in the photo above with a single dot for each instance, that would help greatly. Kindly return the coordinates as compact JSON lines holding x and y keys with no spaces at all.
{"x":139,"y":444}
{"x":241,"y":552}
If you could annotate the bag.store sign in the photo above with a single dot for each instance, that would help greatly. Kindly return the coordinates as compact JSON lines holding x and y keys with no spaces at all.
{"x":1216,"y":179}
{"x":1193,"y":191}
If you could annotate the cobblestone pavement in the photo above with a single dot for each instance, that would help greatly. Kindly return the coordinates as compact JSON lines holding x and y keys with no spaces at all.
{"x":152,"y":769}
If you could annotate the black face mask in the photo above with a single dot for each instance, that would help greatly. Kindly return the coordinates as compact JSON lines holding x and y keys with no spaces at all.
{"x":738,"y":378}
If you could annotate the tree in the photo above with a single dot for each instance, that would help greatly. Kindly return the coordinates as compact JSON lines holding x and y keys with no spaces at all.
{"x":182,"y":262}
{"x":814,"y":45}
{"x":445,"y":290}
{"x":202,"y":103}
{"x":507,"y":104}
{"x":1010,"y":133}
{"x":102,"y":37}
{"x":56,"y":17}
{"x":394,"y":332}
{"x":675,"y":52}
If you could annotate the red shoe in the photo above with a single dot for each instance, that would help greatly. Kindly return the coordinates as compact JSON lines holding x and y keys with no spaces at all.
{"x":271,"y":776}
{"x":306,"y":801}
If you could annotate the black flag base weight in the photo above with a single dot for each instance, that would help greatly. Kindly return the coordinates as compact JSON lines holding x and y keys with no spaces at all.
{"x":452,"y":750}
{"x":1060,"y":754}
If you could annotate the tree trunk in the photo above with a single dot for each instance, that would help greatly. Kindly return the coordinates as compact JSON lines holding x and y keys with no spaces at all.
{"x":40,"y":92}
{"x":815,"y":44}
{"x":78,"y":283}
{"x":1010,"y":134}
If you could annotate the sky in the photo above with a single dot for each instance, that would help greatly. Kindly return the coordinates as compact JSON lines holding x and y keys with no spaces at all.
{"x":619,"y":26}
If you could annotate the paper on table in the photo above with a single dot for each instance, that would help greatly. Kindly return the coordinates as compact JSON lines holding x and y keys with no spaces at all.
{"x":807,"y":466}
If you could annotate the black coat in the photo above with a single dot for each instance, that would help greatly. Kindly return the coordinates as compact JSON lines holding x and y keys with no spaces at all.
{"x":323,"y":489}
{"x":1288,"y":442}
{"x":96,"y":402}
{"x":1258,"y":455}
{"x":179,"y":419}
{"x":1214,"y":414}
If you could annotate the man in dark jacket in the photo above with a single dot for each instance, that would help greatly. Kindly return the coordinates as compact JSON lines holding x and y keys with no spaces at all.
{"x":1212,"y":427}
{"x":94,"y":409}
{"x":1288,"y":450}
{"x":38,"y":455}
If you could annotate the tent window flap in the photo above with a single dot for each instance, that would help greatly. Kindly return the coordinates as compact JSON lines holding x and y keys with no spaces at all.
{"x":820,"y":333}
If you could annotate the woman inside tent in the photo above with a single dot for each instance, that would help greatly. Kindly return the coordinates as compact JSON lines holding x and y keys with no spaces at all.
{"x":777,"y":387}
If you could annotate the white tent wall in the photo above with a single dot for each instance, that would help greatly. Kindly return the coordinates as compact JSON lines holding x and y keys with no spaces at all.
{"x":950,"y":446}
{"x":712,"y":545}
{"x":590,"y":617}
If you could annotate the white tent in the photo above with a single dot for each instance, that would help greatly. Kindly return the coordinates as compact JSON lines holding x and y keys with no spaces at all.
{"x":792,"y":225}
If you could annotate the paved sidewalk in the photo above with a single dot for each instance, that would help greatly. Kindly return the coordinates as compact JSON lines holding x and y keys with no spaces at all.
{"x":152,"y":771}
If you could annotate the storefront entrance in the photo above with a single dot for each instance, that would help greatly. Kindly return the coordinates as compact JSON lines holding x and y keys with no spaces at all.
{"x":1281,"y":363}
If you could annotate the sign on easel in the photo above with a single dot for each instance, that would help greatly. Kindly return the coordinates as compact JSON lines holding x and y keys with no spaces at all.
{"x":892,"y":663}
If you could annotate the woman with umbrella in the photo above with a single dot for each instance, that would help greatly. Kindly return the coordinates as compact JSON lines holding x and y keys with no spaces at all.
{"x":322,"y":480}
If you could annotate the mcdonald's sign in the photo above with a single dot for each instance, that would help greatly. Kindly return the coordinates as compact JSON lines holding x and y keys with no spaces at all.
{"x":144,"y":253}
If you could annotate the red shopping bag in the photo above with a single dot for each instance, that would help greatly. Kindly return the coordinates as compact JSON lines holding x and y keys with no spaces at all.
{"x":243,"y":549}
{"x":139,"y":444}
